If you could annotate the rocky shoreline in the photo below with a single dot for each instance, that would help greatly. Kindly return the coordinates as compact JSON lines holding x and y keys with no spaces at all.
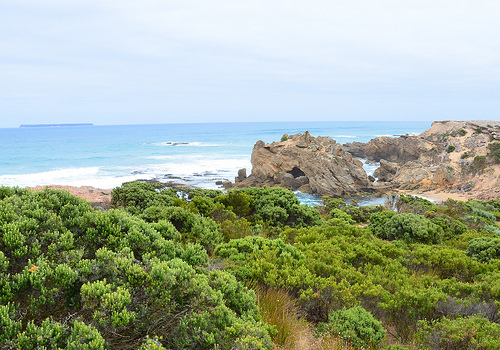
{"x":457,"y":158}
{"x":452,"y":159}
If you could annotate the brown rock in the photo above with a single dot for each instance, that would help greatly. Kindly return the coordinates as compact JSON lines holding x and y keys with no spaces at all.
{"x":303,"y":159}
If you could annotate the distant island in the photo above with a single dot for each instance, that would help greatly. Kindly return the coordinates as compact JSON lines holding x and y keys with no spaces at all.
{"x":53,"y":125}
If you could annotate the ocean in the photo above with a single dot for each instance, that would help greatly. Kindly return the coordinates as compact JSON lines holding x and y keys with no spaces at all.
{"x":194,"y":154}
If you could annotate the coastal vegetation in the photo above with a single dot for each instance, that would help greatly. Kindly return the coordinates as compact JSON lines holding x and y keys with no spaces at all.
{"x":249,"y":268}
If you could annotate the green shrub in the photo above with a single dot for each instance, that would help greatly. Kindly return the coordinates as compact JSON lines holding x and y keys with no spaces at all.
{"x":342,"y":215}
{"x":484,"y":249}
{"x":464,"y":155}
{"x":413,"y":228}
{"x":494,"y":148}
{"x":378,"y":222}
{"x":473,"y":332}
{"x":451,"y":227}
{"x":136,"y":196}
{"x":356,"y":213}
{"x":450,"y":148}
{"x":480,"y":162}
{"x":356,"y":326}
{"x":333,"y":203}
{"x":462,"y":132}
{"x":110,"y":279}
{"x":279,"y":207}
{"x":242,"y":204}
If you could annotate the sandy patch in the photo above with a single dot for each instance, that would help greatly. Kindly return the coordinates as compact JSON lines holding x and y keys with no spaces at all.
{"x":97,"y":196}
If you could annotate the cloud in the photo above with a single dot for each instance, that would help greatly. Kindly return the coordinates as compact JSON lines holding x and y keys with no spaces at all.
{"x":83,"y":58}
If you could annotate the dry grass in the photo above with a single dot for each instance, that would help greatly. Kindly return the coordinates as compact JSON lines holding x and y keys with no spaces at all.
{"x":293,"y":331}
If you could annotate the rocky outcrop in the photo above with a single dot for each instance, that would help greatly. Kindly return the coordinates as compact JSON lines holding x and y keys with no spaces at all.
{"x":317,"y":165}
{"x":451,"y":155}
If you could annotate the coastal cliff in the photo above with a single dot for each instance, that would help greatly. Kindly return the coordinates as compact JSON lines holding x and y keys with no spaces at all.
{"x":317,"y":165}
{"x":452,"y":156}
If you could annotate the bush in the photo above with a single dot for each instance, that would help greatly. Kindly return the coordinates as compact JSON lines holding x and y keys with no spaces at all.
{"x":279,"y":207}
{"x":242,"y":204}
{"x":494,"y":148}
{"x":122,"y":278}
{"x":451,"y":227}
{"x":136,"y":196}
{"x":342,"y":215}
{"x":474,"y":332}
{"x":484,"y":249}
{"x":450,"y":148}
{"x":464,"y":155}
{"x":480,"y":162}
{"x":355,"y":325}
{"x":462,"y":132}
{"x":378,"y":222}
{"x":356,"y":213}
{"x":413,"y":228}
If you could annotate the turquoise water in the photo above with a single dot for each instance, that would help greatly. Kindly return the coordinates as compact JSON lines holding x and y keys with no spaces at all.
{"x":200,"y":154}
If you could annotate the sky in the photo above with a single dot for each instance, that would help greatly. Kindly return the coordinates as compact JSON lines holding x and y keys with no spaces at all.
{"x":168,"y":61}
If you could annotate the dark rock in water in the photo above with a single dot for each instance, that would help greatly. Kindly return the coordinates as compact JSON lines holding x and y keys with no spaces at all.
{"x":242,"y":175}
{"x":218,"y":183}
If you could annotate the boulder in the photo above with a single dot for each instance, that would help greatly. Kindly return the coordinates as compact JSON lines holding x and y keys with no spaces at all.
{"x":242,"y":175}
{"x":315,"y":165}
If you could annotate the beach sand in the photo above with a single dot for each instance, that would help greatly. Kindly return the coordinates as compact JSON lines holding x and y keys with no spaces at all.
{"x":96,"y":196}
{"x":439,"y":196}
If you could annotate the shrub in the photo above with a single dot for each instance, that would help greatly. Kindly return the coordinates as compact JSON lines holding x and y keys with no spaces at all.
{"x":356,"y":213}
{"x":355,"y":325}
{"x":378,"y":222}
{"x":462,"y":132}
{"x":484,"y":249}
{"x":474,"y":332}
{"x":333,"y":203}
{"x":340,"y":214}
{"x":494,"y":148}
{"x":136,"y":196}
{"x":480,"y":162}
{"x":279,"y":207}
{"x":451,"y":227}
{"x":450,"y":148}
{"x":242,"y":204}
{"x":464,"y":155}
{"x":413,"y":228}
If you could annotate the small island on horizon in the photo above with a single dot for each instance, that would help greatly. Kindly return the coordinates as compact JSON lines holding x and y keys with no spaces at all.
{"x":54,"y":125}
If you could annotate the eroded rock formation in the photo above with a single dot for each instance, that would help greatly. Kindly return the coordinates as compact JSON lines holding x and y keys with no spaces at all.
{"x":452,"y":155}
{"x":455,"y":156}
{"x":317,"y":165}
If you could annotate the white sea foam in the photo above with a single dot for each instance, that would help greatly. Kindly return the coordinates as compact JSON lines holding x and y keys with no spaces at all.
{"x":369,"y":167}
{"x":182,"y":144}
{"x":58,"y":176}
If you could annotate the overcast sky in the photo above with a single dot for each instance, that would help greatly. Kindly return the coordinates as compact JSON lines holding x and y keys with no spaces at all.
{"x":148,"y":61}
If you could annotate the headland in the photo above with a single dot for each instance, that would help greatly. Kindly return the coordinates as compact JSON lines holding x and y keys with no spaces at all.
{"x":458,"y":159}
